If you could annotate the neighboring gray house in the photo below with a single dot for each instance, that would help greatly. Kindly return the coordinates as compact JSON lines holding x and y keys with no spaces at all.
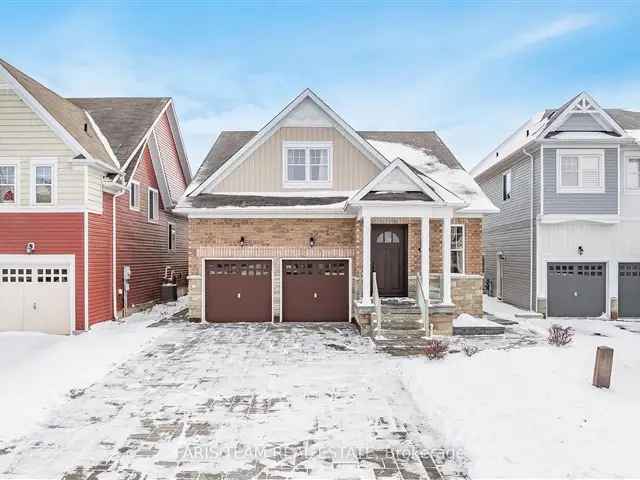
{"x":567,"y":239}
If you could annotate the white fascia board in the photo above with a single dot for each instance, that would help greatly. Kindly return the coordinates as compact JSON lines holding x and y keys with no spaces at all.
{"x":408,"y":211}
{"x":161,"y":176}
{"x":103,"y":139}
{"x":262,"y":213}
{"x":272,"y":125}
{"x":562,"y":218}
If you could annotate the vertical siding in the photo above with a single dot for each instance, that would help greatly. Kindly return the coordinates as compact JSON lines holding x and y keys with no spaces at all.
{"x":170,"y":158}
{"x":510,"y":231}
{"x":143,"y":245}
{"x":53,"y":234}
{"x":262,"y":171}
{"x":101,"y":263}
{"x":581,"y":203}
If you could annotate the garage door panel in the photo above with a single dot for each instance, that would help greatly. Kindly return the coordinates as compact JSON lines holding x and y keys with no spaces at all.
{"x":315,"y":291}
{"x":629,"y":290}
{"x":576,"y":289}
{"x":238,"y":291}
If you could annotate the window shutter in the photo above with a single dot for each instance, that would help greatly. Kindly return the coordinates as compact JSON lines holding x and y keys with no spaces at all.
{"x":590,"y":171}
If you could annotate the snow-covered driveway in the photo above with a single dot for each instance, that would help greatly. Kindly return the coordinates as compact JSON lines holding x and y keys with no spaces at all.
{"x":246,"y":401}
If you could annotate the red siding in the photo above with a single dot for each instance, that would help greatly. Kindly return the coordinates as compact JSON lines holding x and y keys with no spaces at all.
{"x":143,"y":245}
{"x":101,"y":262}
{"x":170,"y":159}
{"x":54,"y":234}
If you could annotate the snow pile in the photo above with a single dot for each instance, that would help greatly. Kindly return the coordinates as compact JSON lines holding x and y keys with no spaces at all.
{"x":39,"y":370}
{"x":466,"y":320}
{"x":454,"y":180}
{"x":532,"y":412}
{"x":635,"y":134}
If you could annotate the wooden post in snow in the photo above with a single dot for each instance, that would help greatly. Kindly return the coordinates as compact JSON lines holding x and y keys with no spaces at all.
{"x":603,"y":367}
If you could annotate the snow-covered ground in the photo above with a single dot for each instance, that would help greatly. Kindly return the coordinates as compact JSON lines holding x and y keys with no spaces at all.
{"x":532,"y":412}
{"x":38,"y":371}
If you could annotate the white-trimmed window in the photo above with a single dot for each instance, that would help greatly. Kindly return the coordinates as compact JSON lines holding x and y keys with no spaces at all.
{"x":307,"y":164}
{"x":152,"y":204}
{"x":457,"y":248}
{"x":43,"y":182}
{"x":134,"y":195}
{"x":632,"y":171}
{"x":580,"y":171}
{"x":8,"y":184}
{"x":171,"y":237}
{"x":506,"y":185}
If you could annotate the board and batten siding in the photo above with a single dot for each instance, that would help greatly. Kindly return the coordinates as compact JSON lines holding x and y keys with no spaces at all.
{"x":581,"y":203}
{"x":24,"y":137}
{"x":262,"y":170}
{"x":509,"y":231}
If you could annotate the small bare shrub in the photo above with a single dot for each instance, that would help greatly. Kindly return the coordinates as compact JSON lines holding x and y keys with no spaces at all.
{"x":470,"y":350}
{"x":559,"y":335}
{"x":436,"y":349}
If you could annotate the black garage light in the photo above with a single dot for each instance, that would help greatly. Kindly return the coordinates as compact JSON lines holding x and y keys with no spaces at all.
{"x":242,"y":241}
{"x":580,"y":250}
{"x":312,"y":242}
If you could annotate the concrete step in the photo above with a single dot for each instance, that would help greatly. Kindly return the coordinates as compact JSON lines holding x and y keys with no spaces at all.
{"x":399,"y":334}
{"x":402,"y":325}
{"x":401,"y":311}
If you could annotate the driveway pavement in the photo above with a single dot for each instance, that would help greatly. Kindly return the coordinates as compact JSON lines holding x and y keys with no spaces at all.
{"x":237,"y":401}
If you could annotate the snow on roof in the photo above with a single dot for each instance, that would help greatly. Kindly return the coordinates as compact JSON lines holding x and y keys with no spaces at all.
{"x":455,"y":182}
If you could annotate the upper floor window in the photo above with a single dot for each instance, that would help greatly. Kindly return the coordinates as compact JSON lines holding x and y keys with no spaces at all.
{"x":134,"y":195}
{"x":580,"y":171}
{"x":171,"y":237}
{"x":632,"y":166}
{"x":152,"y":205}
{"x":457,"y":248}
{"x":506,"y":185}
{"x":8,"y":183}
{"x":307,"y":164}
{"x":43,"y":182}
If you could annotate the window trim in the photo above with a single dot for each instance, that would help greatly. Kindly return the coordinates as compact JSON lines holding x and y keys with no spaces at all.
{"x":307,"y":183}
{"x":44,"y":162}
{"x":16,"y":191}
{"x":463,"y":249}
{"x":156,"y":204}
{"x":136,"y":207}
{"x":504,"y":193}
{"x":171,"y":248}
{"x":626,"y":157}
{"x":562,"y":152}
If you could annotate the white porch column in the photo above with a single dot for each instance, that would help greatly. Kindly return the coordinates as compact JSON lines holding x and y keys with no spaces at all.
{"x":424,"y":255}
{"x":446,"y":260}
{"x":366,"y":260}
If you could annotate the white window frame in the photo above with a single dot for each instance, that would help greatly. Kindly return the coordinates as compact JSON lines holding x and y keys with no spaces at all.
{"x":136,"y":206}
{"x":464,"y":247}
{"x":507,"y":174}
{"x":170,"y":247}
{"x":16,"y":191}
{"x":307,"y":183}
{"x":627,"y":157}
{"x":44,"y":162}
{"x":560,"y":153}
{"x":156,"y":205}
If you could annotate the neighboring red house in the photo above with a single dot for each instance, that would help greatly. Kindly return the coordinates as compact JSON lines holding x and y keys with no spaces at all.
{"x":87,"y":191}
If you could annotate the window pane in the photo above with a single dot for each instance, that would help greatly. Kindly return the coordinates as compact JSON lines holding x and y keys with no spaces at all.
{"x":7,"y":194}
{"x":296,"y":173}
{"x":590,"y":171}
{"x":456,"y":262}
{"x":7,"y":175}
{"x":457,"y":237}
{"x":43,"y":193}
{"x":569,"y":171}
{"x":152,"y":205}
{"x":633,"y":173}
{"x":319,"y":173}
{"x":43,"y":175}
{"x":319,"y":156}
{"x":295,"y":156}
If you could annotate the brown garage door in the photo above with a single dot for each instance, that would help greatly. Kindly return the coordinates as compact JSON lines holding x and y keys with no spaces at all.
{"x":315,"y":291}
{"x":238,"y":290}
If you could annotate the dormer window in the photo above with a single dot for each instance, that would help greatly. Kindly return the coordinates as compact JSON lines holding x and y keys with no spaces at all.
{"x":307,"y":164}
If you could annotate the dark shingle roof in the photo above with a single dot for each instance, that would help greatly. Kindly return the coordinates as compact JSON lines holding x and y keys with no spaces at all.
{"x":626,"y":118}
{"x":208,"y":200}
{"x":397,"y":196}
{"x":124,"y":121}
{"x":70,"y":116}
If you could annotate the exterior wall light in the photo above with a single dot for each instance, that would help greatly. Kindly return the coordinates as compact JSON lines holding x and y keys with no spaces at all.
{"x":30,"y":248}
{"x":312,"y":242}
{"x":242,"y":241}
{"x":580,"y":250}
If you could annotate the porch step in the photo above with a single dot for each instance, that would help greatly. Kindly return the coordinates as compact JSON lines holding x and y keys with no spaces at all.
{"x":402,"y":324}
{"x":399,"y":334}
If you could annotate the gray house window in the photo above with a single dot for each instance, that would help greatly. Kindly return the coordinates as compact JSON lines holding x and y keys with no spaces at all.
{"x":506,"y":185}
{"x":457,"y":248}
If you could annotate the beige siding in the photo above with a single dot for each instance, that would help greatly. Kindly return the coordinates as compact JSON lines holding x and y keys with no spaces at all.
{"x":24,"y":137}
{"x":262,"y":170}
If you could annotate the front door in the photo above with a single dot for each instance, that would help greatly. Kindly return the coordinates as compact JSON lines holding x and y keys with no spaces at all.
{"x":389,"y":259}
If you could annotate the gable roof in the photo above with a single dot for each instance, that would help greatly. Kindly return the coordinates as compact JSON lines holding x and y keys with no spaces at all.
{"x":84,"y":135}
{"x":124,"y":121}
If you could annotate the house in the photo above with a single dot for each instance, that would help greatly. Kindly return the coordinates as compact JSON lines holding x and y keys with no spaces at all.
{"x":309,"y":220}
{"x":566,"y":240}
{"x":87,"y":192}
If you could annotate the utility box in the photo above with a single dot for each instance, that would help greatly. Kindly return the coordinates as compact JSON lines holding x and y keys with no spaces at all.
{"x":603,"y":367}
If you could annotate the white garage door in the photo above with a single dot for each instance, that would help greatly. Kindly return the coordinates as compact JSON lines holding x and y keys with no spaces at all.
{"x":36,"y":296}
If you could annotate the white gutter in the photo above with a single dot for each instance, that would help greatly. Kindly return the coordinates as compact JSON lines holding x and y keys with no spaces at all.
{"x":531,"y":183}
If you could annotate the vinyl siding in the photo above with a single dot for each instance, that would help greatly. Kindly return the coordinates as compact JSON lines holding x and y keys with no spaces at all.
{"x":170,"y":158}
{"x":100,"y":264}
{"x":581,"y":203}
{"x":509,"y":231}
{"x":94,"y":190}
{"x":581,"y":122}
{"x":262,"y":170}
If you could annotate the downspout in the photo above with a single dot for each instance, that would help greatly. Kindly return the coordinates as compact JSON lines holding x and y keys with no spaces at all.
{"x":531,"y":226}
{"x":114,"y":255}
